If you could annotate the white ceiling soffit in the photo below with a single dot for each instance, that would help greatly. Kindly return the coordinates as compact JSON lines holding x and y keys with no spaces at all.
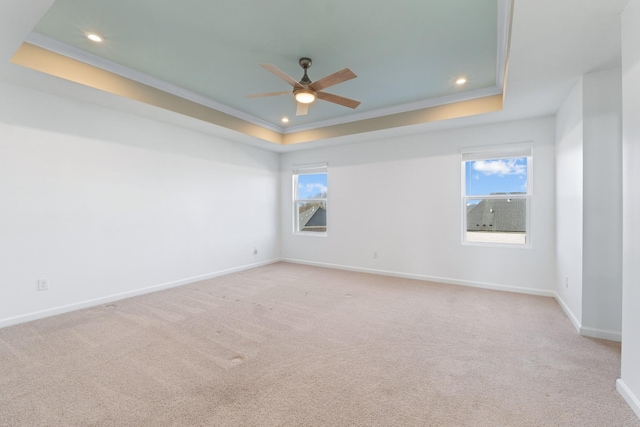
{"x":378,"y":96}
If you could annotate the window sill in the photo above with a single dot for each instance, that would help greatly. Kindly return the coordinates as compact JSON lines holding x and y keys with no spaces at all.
{"x":497,"y":245}
{"x":307,"y":233}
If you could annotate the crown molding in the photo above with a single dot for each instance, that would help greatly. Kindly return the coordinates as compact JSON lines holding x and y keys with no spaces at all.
{"x":69,"y":51}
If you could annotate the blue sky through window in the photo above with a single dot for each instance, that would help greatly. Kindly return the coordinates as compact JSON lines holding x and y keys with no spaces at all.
{"x":312,"y":186}
{"x":484,"y":177}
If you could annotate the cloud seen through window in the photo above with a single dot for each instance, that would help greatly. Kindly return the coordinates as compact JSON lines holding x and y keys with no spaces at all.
{"x":501,"y":167}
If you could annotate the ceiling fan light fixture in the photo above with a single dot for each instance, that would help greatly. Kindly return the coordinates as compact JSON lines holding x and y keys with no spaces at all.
{"x":305,"y":96}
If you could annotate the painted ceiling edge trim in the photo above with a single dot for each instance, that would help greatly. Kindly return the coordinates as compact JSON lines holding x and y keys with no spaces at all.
{"x":56,"y":64}
{"x":64,"y":49}
{"x":46,"y":61}
{"x":507,"y":50}
{"x":487,"y":104}
{"x":505,"y":24}
{"x":420,"y":105}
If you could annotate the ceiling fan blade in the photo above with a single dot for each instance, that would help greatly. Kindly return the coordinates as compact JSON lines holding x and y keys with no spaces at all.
{"x":302,"y":109}
{"x":333,"y":79}
{"x":346,"y":102}
{"x":284,"y":76}
{"x":262,"y":95}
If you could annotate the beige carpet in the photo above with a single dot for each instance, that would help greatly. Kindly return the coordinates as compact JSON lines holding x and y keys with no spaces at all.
{"x":303,"y":346}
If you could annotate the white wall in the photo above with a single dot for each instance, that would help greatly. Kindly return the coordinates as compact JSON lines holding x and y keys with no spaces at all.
{"x":602,"y":215}
{"x":629,"y":382}
{"x":589,"y":204}
{"x":107,"y":205}
{"x":401,"y":198}
{"x":569,"y":204}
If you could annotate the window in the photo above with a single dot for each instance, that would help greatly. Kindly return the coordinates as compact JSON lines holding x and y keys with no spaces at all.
{"x":310,"y":200}
{"x":496,"y":191}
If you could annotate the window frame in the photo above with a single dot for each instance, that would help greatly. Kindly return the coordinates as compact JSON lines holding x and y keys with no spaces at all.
{"x":498,"y":152}
{"x":309,"y":169}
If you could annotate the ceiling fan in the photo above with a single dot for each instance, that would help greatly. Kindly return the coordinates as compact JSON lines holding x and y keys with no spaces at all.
{"x":305,"y":91}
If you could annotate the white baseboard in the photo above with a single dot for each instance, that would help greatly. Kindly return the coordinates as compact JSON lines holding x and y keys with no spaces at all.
{"x":586,"y":331}
{"x":628,"y":396}
{"x":569,"y":313}
{"x":600,"y":333}
{"x":590,"y":332}
{"x":115,"y":297}
{"x":492,"y":286}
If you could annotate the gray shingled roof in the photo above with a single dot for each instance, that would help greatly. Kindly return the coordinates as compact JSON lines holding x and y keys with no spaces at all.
{"x":314,"y":219}
{"x":318,"y":219}
{"x":503,"y":215}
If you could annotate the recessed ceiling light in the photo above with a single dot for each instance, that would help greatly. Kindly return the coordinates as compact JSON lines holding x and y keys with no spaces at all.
{"x":285,"y":120}
{"x":94,"y":37}
{"x":461,"y":81}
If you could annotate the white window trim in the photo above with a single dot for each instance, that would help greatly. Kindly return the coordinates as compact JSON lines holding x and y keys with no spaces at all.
{"x":307,"y":170}
{"x":490,"y":153}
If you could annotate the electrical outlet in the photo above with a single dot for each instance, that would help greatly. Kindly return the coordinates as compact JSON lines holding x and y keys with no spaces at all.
{"x":375,"y":255}
{"x":566,"y":281}
{"x":43,"y":284}
{"x":255,"y":251}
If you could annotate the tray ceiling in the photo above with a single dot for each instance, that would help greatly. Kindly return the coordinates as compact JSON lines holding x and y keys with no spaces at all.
{"x":201,"y":58}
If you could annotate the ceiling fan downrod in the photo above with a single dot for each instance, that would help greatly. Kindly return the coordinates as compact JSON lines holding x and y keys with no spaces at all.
{"x":305,"y":63}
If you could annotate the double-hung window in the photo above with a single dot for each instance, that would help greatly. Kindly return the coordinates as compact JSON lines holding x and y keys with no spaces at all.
{"x":496,"y":193}
{"x":310,"y":200}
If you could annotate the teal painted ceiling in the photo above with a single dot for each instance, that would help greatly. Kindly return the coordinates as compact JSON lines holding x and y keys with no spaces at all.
{"x":405,"y":53}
